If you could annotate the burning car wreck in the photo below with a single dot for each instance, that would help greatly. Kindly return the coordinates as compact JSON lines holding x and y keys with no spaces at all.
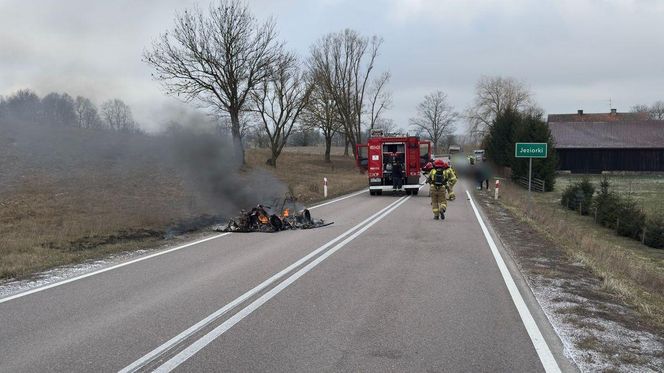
{"x":263,"y":219}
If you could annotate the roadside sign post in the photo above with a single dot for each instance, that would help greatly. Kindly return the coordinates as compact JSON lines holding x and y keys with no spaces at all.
{"x":530,"y":173}
{"x":530,"y":150}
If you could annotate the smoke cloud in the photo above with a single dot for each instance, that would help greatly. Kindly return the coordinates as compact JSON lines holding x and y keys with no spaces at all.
{"x":182,"y":173}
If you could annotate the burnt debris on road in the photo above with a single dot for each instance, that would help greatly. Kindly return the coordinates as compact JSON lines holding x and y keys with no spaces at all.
{"x":283,"y":216}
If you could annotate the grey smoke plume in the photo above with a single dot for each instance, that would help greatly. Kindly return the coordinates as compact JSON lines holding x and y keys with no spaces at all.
{"x":214,"y":174}
{"x":153,"y":173}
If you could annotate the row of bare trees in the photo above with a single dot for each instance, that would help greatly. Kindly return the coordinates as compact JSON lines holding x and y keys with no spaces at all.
{"x":228,"y":62}
{"x":495,"y":95}
{"x":231,"y":64}
{"x":61,"y":110}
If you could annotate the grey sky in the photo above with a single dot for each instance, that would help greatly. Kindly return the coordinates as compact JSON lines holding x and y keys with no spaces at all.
{"x":572,"y":53}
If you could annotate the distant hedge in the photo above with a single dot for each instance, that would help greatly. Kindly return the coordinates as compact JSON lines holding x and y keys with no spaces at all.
{"x":614,"y":211}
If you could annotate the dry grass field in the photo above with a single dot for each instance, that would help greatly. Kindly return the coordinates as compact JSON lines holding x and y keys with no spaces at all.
{"x":628,"y":269}
{"x":84,"y":209}
{"x":303,"y":169}
{"x":646,"y":190}
{"x":45,"y":222}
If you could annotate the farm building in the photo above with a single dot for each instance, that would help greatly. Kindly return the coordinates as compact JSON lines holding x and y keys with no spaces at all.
{"x":592,"y":143}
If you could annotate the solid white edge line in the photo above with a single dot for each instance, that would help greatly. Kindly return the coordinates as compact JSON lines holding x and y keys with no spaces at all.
{"x":150,"y":356}
{"x":536,"y":337}
{"x":192,"y":349}
{"x":63,"y":282}
{"x":338,"y":199}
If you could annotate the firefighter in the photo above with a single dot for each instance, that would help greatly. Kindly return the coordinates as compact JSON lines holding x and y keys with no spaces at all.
{"x":452,"y":181}
{"x":438,"y":179}
{"x":397,"y":175}
{"x":426,"y":170}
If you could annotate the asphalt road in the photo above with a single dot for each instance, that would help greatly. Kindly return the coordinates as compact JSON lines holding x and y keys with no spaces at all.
{"x":386,"y":288}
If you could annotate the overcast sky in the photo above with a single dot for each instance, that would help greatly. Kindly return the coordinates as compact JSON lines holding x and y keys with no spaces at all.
{"x":573,"y":54}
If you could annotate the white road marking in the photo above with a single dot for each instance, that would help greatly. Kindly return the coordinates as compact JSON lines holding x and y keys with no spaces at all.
{"x":542,"y":348}
{"x":55,"y":284}
{"x":59,"y":283}
{"x":185,"y":354}
{"x":338,"y":199}
{"x":146,"y":359}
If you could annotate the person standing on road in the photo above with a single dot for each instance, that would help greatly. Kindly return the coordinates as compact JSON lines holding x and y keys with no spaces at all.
{"x":438,"y":179}
{"x":397,"y":175}
{"x":484,"y":174}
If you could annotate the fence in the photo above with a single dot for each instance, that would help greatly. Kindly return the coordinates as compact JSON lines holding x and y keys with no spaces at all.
{"x":537,"y":185}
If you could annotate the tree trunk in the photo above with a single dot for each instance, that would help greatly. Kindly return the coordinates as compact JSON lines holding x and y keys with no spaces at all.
{"x":273,"y":158}
{"x":238,"y":148}
{"x":354,"y":142}
{"x":328,"y":148}
{"x":347,"y":141}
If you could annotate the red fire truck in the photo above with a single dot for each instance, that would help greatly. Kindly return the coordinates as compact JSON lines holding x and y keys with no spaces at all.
{"x":379,"y":154}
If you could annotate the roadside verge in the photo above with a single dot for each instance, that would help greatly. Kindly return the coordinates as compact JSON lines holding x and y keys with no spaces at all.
{"x":598,"y":329}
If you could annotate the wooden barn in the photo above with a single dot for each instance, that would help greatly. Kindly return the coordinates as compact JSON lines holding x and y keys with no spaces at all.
{"x":592,"y":143}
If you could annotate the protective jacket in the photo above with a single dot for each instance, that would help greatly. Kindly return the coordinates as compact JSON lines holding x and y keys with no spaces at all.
{"x":448,"y":177}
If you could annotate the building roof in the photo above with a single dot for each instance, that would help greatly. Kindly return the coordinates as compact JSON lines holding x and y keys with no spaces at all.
{"x":597,"y":117}
{"x":609,"y":134}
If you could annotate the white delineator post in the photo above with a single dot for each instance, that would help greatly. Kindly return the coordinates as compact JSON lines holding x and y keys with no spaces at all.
{"x":325,"y":187}
{"x":497,"y":191}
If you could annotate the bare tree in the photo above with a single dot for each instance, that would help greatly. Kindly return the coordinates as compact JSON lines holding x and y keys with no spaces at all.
{"x":216,"y":58}
{"x":117,"y":116}
{"x":24,"y":105}
{"x":655,"y":111}
{"x":640,"y":108}
{"x":388,"y":125}
{"x":87,"y":115}
{"x":494,"y":95}
{"x":435,"y":117}
{"x":321,"y":113}
{"x":279,"y":100}
{"x":342,"y":63}
{"x":58,"y":110}
{"x":379,"y":99}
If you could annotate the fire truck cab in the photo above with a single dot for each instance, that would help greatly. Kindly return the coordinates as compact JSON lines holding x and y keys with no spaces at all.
{"x":379,"y":154}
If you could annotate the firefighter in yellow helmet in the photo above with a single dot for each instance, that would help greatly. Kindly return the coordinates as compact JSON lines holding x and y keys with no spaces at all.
{"x":438,"y":179}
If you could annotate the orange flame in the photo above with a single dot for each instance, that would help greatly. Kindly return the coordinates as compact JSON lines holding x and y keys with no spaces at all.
{"x":263,"y":219}
{"x":286,"y":213}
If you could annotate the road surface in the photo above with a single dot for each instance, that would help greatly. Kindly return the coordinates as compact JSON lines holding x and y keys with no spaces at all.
{"x":386,"y":288}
